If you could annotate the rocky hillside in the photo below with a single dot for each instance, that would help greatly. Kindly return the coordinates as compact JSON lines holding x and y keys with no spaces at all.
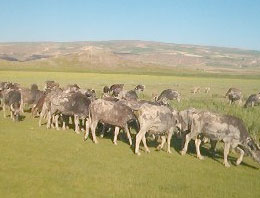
{"x":126,"y":54}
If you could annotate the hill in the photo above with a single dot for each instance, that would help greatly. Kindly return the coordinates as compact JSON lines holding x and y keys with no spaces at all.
{"x":126,"y":55}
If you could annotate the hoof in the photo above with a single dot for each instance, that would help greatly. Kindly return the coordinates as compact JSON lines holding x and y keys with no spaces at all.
{"x":138,"y":153}
{"x":158,"y":148}
{"x":147,"y":151}
{"x":200,"y":157}
{"x":227,"y":165}
{"x":77,"y":132}
{"x":183,"y":152}
{"x":238,"y":162}
{"x":115,"y":143}
{"x":96,"y":142}
{"x":169,"y":152}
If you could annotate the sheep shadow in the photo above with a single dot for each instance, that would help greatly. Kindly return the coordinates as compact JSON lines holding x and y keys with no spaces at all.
{"x":177,"y":143}
{"x":217,"y":155}
{"x":21,"y":118}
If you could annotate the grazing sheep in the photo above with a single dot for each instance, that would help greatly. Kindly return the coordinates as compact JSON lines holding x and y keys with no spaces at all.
{"x":155,"y":119}
{"x":229,"y":129}
{"x":12,"y":98}
{"x":253,"y":100}
{"x":195,"y":90}
{"x":112,"y":113}
{"x":234,"y":95}
{"x":207,"y":90}
{"x":168,"y":94}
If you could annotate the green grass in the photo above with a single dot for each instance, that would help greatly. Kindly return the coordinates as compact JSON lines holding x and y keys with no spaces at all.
{"x":72,"y":66}
{"x":36,"y":162}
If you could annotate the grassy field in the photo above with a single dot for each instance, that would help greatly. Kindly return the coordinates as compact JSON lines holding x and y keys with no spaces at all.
{"x":36,"y":162}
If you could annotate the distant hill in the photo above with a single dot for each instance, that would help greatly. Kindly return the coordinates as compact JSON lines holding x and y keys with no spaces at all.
{"x":107,"y":55}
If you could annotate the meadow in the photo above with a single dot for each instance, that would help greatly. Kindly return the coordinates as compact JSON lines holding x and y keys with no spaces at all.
{"x":36,"y":162}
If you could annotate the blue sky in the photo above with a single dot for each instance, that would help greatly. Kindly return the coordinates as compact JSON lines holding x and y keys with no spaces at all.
{"x":230,"y":23}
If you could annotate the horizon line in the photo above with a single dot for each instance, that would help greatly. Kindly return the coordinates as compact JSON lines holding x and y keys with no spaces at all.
{"x":125,"y":40}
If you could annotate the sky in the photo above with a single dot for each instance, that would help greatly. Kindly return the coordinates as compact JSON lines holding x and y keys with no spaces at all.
{"x":227,"y":23}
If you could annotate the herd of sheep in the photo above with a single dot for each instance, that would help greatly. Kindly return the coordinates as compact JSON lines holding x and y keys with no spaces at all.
{"x":119,"y":109}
